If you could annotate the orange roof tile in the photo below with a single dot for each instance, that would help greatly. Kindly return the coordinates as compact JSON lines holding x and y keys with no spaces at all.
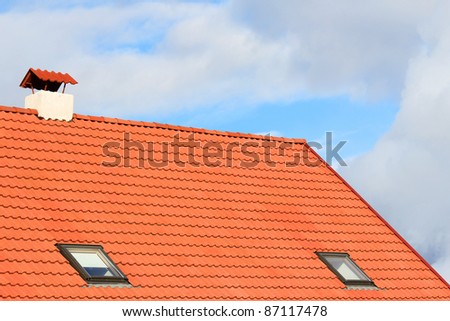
{"x":187,"y":231}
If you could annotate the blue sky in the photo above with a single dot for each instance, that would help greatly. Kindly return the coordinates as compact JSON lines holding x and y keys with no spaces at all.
{"x":373,"y":73}
{"x":297,"y":113}
{"x":359,"y":124}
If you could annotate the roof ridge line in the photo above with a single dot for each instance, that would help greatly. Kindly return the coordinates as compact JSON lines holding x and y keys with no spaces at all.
{"x":19,"y":110}
{"x":112,"y":120}
{"x":184,"y":128}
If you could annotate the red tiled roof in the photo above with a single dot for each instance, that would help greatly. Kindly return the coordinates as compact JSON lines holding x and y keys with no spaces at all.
{"x":43,"y":79}
{"x":186,"y":233}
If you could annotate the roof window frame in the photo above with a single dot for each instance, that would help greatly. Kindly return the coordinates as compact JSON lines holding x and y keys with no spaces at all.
{"x":364,"y":281}
{"x":67,"y":251}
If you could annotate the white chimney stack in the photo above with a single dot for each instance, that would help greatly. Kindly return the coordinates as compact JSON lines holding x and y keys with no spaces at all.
{"x":49,"y":103}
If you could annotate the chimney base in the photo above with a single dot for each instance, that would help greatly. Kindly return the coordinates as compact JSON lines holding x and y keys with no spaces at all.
{"x":51,"y":105}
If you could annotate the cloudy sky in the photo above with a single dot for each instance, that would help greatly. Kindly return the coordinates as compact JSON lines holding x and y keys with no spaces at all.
{"x":374,"y":73}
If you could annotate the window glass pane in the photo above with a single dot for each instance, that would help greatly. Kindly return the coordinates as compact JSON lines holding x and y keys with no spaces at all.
{"x":346,"y":268}
{"x":92,"y":263}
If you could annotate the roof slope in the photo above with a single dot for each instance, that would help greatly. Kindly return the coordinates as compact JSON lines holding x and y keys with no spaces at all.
{"x":227,"y":232}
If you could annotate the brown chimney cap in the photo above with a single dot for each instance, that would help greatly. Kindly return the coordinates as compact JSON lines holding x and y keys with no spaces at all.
{"x":46,"y":80}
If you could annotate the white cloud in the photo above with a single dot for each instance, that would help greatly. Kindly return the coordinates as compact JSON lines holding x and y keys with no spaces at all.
{"x":406,"y":176}
{"x":163,"y":56}
{"x":342,"y":47}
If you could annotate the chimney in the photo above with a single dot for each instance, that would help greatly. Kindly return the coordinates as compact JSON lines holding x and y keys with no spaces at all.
{"x":49,"y":103}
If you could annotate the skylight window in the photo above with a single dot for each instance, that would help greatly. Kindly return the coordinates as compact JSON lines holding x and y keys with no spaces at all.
{"x":92,"y":263}
{"x":345,"y":269}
